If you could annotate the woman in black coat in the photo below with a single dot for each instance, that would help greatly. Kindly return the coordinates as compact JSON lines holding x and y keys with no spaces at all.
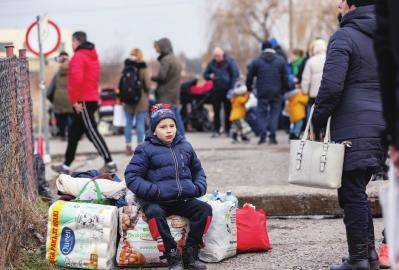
{"x":350,"y":93}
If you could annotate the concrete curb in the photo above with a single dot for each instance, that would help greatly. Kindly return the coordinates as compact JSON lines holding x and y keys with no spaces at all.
{"x":289,"y":200}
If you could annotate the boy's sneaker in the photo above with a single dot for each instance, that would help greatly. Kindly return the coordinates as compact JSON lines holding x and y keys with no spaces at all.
{"x":190,"y":258}
{"x":174,"y":259}
{"x":383,"y":255}
{"x":61,"y":169}
{"x":109,"y":167}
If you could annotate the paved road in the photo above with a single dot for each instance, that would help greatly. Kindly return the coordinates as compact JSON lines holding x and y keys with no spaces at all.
{"x":297,"y":243}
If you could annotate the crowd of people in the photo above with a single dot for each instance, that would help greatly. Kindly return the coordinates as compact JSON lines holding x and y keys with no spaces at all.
{"x":343,"y":79}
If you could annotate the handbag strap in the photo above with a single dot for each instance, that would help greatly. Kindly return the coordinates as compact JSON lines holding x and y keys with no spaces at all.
{"x":309,"y":128}
{"x":305,"y":137}
{"x":98,"y":192}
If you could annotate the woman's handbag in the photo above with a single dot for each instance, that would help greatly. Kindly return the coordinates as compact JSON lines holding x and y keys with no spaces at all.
{"x":316,"y":164}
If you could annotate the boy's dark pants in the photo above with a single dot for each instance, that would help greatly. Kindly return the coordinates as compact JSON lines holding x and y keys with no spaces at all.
{"x":197,"y":212}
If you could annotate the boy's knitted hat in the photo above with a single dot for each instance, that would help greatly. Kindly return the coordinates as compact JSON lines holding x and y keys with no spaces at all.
{"x":160,"y":112}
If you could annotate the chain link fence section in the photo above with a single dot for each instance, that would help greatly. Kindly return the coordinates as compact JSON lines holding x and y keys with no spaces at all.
{"x":16,"y":131}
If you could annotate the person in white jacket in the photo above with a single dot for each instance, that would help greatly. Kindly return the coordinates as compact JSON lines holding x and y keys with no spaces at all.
{"x":313,"y":72}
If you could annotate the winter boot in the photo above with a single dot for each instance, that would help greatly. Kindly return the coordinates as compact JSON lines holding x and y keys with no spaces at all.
{"x":174,"y":259}
{"x":190,"y":258}
{"x":262,"y":140}
{"x":245,"y":138}
{"x":235,"y":138}
{"x":372,"y":253}
{"x":272,"y":140}
{"x":358,"y":251}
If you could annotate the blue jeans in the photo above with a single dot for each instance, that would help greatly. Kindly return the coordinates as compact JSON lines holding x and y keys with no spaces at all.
{"x":268,"y":116}
{"x":179,"y":121}
{"x":140,"y":126}
{"x":296,"y":128}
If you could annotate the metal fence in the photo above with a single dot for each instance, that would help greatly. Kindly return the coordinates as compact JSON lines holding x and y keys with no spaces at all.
{"x":16,"y":132}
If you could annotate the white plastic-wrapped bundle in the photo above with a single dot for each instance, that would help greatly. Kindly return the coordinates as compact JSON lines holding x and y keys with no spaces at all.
{"x":137,"y":247}
{"x":390,"y":207}
{"x":81,"y":235}
{"x":73,"y":186}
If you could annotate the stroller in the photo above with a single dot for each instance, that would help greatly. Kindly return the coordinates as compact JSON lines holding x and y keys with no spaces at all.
{"x":193,"y":98}
{"x":108,"y":100}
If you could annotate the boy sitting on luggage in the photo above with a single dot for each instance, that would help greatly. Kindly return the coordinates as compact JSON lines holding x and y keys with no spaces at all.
{"x":167,"y":177}
{"x":240,"y":96}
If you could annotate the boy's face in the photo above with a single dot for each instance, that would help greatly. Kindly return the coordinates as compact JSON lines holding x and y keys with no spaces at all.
{"x":166,"y":130}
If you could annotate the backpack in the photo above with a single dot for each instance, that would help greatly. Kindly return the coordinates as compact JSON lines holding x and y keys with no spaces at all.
{"x":130,"y":86}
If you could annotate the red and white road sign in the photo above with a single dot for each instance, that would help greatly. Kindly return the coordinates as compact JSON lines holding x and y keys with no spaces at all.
{"x":51,"y":37}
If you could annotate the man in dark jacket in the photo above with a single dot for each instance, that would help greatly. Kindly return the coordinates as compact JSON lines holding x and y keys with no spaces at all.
{"x":271,"y":83}
{"x":350,"y":94}
{"x":83,"y":80}
{"x":168,"y":79}
{"x":224,"y":73}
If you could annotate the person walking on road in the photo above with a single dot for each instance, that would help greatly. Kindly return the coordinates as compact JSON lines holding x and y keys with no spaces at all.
{"x":83,"y":80}
{"x":135,"y":77}
{"x":224,"y":73}
{"x":58,"y":95}
{"x":350,"y":94}
{"x":168,"y":79}
{"x":387,"y":50}
{"x":271,"y":75}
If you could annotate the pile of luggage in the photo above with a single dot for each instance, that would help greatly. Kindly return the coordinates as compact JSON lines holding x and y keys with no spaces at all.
{"x":89,"y":232}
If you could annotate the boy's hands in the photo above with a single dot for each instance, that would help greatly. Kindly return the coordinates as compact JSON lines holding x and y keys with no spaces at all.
{"x":197,"y":191}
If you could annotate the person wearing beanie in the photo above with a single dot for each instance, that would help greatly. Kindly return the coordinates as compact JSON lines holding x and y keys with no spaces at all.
{"x":349,"y":93}
{"x":267,"y":74}
{"x":167,"y":178}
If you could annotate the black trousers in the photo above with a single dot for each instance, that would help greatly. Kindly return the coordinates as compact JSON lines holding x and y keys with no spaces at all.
{"x":197,"y":212}
{"x":217,"y":106}
{"x":353,"y":199}
{"x":85,"y":122}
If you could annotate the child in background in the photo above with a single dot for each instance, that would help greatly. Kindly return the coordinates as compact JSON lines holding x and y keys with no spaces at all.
{"x":296,"y":108}
{"x":240,"y":96}
{"x":166,"y":176}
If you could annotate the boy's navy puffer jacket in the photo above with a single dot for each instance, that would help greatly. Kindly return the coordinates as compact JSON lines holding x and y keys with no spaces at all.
{"x":158,"y":172}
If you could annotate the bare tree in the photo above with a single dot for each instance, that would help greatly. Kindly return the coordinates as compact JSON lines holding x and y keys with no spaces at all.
{"x":240,"y":26}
